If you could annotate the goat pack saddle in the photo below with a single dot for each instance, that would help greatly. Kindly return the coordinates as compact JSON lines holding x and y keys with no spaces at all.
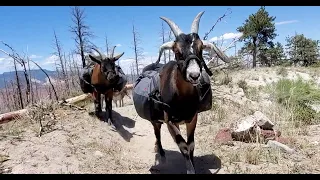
{"x":85,"y":79}
{"x":146,"y":95}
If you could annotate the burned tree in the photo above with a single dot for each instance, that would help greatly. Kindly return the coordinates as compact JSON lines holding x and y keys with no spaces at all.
{"x":81,"y":31}
{"x":107,"y":45}
{"x":138,"y":51}
{"x":163,"y":40}
{"x":61,"y":60}
{"x":170,"y":38}
{"x":17,"y":59}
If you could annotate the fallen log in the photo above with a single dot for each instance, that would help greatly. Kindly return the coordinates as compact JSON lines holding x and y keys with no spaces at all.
{"x":76,"y":99}
{"x":6,"y":117}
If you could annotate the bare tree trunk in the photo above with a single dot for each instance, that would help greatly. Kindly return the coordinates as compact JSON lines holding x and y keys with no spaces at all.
{"x":18,"y":84}
{"x":27,"y":80}
{"x":137,"y":49}
{"x":162,"y":34}
{"x":254,"y":54}
{"x":59,"y":52}
{"x":30,"y":80}
{"x":170,"y":38}
{"x":107,"y":45}
{"x":55,"y":93}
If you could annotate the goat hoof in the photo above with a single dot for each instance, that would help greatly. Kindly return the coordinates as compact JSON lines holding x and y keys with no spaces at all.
{"x":191,"y":172}
{"x":163,"y":159}
{"x":160,"y":160}
{"x":190,"y":167}
{"x":98,"y":113}
{"x":112,"y":126}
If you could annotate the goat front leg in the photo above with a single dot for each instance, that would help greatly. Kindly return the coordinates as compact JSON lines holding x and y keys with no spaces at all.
{"x":108,"y":100}
{"x":182,"y":144}
{"x":158,"y":146}
{"x":97,"y":103}
{"x":122,"y":102}
{"x":191,"y":127}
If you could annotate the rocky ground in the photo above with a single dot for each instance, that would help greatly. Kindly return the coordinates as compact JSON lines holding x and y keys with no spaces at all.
{"x":73,"y":141}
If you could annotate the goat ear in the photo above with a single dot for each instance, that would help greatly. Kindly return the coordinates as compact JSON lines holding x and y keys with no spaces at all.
{"x":118,"y":56}
{"x":94,"y":59}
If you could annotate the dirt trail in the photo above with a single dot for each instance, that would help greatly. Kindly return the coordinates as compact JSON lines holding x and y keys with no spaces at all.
{"x":81,"y":143}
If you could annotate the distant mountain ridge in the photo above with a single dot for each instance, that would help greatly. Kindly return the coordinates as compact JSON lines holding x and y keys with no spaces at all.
{"x":36,"y":74}
{"x":39,"y":76}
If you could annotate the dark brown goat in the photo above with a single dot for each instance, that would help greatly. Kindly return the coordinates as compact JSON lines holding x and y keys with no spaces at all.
{"x":104,"y":77}
{"x":178,"y":81}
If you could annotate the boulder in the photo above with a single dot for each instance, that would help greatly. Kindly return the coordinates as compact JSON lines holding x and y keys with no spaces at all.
{"x":252,"y":128}
{"x":223,"y":136}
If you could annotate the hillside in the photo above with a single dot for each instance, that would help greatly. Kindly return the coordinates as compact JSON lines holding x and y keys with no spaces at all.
{"x":75,"y":142}
{"x":37,"y":76}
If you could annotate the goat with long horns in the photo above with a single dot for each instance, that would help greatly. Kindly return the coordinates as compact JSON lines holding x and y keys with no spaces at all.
{"x":178,"y":88}
{"x":103,"y":79}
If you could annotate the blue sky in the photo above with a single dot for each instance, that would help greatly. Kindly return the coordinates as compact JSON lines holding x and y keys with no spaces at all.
{"x":32,"y":27}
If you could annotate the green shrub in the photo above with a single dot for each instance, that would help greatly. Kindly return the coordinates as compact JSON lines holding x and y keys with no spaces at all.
{"x":296,"y":95}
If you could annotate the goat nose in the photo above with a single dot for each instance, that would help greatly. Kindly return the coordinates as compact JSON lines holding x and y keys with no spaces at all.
{"x":195,"y":75}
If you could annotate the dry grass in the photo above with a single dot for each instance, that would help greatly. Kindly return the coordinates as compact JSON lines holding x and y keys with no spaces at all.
{"x":292,"y":121}
{"x":93,"y":148}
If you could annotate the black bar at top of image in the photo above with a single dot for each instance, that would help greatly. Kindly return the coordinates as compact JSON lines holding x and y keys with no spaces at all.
{"x":160,"y":3}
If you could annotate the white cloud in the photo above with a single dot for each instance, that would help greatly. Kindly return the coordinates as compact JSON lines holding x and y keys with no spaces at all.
{"x":33,"y":56}
{"x":226,"y":36}
{"x":6,"y":64}
{"x":126,"y":64}
{"x":286,"y":22}
{"x":50,"y":60}
{"x":118,"y":45}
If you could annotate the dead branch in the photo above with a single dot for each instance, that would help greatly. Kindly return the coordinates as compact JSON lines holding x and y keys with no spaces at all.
{"x":81,"y":31}
{"x":55,"y":93}
{"x":218,"y":20}
{"x":16,"y":74}
{"x":16,"y":57}
{"x":138,"y":51}
{"x":6,"y":117}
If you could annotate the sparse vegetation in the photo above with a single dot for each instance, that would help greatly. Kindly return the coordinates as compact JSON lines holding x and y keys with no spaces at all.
{"x":243,"y":84}
{"x":282,"y":71}
{"x":226,"y":79}
{"x":296,"y":96}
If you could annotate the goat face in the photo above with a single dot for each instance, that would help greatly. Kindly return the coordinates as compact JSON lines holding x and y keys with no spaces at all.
{"x":188,"y":50}
{"x":188,"y":54}
{"x":107,"y":66}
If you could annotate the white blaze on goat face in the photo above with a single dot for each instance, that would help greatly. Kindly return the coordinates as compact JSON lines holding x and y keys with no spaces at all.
{"x":193,"y":72}
{"x":191,"y":46}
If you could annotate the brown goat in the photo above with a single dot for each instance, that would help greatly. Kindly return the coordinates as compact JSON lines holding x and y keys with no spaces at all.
{"x":178,"y":81}
{"x":104,"y":77}
{"x":119,"y":95}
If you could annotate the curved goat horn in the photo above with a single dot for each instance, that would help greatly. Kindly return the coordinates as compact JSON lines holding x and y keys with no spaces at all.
{"x":112,"y":53}
{"x":118,"y":56}
{"x":165,"y":46}
{"x":174,"y":27}
{"x":102,"y":56}
{"x":221,"y":54}
{"x":195,"y":23}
